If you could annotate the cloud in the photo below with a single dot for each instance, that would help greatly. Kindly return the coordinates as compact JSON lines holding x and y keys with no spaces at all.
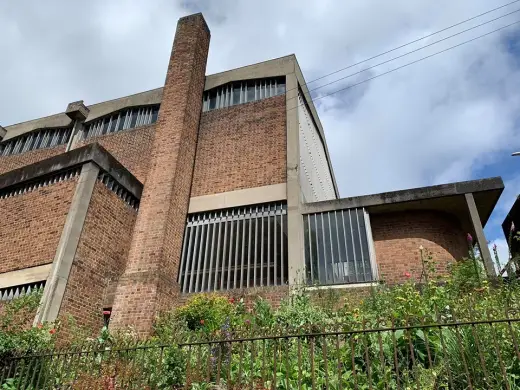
{"x":443,"y":119}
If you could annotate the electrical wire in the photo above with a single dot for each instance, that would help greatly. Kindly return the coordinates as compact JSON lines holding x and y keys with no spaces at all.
{"x":407,"y":44}
{"x":408,"y":64}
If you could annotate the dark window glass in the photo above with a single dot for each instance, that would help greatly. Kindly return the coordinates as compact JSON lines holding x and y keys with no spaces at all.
{"x":122,"y":120}
{"x":104,"y":128}
{"x":212,"y":99}
{"x":155,"y":114}
{"x":250,"y":91}
{"x":113,"y":124}
{"x":236,"y":94}
{"x":134,"y":118}
{"x":280,"y":87}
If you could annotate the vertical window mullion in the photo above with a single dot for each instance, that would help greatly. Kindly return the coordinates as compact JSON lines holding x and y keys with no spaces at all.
{"x":353,"y":246}
{"x":331,"y":247}
{"x":255,"y":273}
{"x":268,"y":246}
{"x":361,"y":247}
{"x":275,"y":257}
{"x":282,"y":257}
{"x":188,"y":260}
{"x":249,"y":248}
{"x":370,"y":242}
{"x":183,"y":256}
{"x":217,"y":254}
{"x":243,"y":248}
{"x":202,"y":248}
{"x":209,"y":248}
{"x":262,"y":248}
{"x":237,"y":240}
{"x":193,"y":256}
{"x":230,"y":251}
{"x":224,"y":251}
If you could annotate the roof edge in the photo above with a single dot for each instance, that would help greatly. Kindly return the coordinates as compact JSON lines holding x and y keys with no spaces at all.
{"x":90,"y":153}
{"x":408,"y":195}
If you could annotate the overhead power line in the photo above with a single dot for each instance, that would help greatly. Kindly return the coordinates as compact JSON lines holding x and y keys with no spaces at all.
{"x":407,"y":44}
{"x":408,"y":64}
{"x":414,"y":51}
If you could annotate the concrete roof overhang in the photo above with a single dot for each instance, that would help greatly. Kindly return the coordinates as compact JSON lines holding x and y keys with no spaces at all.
{"x":447,"y":198}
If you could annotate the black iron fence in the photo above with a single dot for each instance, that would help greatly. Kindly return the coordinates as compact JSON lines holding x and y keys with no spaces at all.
{"x":455,"y":355}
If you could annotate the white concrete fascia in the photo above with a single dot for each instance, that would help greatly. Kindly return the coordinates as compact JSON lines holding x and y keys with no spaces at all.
{"x":24,"y":276}
{"x":244,"y":197}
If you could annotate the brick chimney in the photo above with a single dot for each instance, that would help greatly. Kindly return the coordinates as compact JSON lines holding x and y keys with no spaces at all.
{"x":149,"y":283}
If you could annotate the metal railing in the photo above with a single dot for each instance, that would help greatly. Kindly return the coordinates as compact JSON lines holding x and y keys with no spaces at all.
{"x":480,"y":354}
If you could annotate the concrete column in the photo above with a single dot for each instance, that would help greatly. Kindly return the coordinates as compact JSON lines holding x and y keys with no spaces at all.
{"x":294,"y":217}
{"x":479,"y":233}
{"x":149,"y":284}
{"x":66,"y":251}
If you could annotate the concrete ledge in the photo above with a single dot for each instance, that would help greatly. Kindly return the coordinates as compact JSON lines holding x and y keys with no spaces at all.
{"x":90,"y":153}
{"x":271,"y":193}
{"x":443,"y":197}
{"x":25,"y":276}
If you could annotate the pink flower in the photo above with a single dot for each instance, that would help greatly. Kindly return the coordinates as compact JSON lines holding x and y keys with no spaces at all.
{"x":39,"y":326}
{"x":52,"y":331}
{"x":513,"y":226}
{"x":231,"y":300}
{"x":469,"y":238}
{"x":407,"y":274}
{"x":247,"y":322}
{"x":202,"y":322}
{"x":106,"y":312}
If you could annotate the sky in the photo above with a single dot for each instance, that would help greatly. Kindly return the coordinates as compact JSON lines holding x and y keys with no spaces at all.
{"x":451,"y":117}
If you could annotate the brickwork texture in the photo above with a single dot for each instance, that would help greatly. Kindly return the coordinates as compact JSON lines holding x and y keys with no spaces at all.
{"x":241,"y":146}
{"x":15,"y":161}
{"x":132,"y":148}
{"x":149,"y":282}
{"x":100,"y":258}
{"x":32,"y":224}
{"x":398,"y":237}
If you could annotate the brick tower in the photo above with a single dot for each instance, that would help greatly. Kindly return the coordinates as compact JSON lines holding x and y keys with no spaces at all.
{"x":149,"y":282}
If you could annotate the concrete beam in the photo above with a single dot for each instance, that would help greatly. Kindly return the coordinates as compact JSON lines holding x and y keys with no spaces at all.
{"x":479,"y":233}
{"x":90,"y":153}
{"x":247,"y":196}
{"x":25,"y":276}
{"x":62,"y":264}
{"x":402,"y":196}
{"x":3,"y":132}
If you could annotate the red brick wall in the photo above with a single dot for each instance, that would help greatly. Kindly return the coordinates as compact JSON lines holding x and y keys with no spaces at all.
{"x":398,"y":236}
{"x":132,"y":148}
{"x":32,"y":224}
{"x":8,"y":163}
{"x":242,"y":146}
{"x":149,"y":282}
{"x":100,"y":257}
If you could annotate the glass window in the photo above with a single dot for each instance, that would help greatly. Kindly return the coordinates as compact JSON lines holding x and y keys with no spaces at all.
{"x":155,"y":114}
{"x":280,"y":88}
{"x":236,"y":94}
{"x":113,"y":123}
{"x":237,"y":248}
{"x":105,"y":124}
{"x":212,"y":99}
{"x":134,"y":118}
{"x":122,"y":120}
{"x":250,"y":91}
